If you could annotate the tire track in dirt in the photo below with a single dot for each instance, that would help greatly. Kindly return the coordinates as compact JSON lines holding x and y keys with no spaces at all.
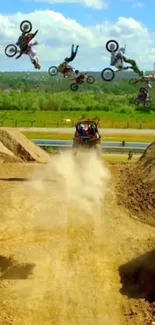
{"x":77,"y":240}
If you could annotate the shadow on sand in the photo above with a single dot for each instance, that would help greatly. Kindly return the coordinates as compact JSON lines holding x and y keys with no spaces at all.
{"x":10,"y":270}
{"x":138,"y":277}
{"x":22,"y":179}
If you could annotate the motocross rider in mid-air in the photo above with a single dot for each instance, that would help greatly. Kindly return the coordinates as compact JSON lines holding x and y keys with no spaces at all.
{"x":27,"y":48}
{"x":119,"y":57}
{"x":144,"y":95}
{"x":64,"y":67}
{"x":80,"y":76}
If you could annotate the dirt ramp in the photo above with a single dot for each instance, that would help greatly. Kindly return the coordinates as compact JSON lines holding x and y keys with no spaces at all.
{"x":7,"y":156}
{"x":19,"y":147}
{"x":147,"y":163}
{"x":136,"y":187}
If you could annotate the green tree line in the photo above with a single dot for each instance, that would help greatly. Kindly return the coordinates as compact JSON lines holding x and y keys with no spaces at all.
{"x":65,"y":101}
{"x":32,"y":92}
{"x":45,"y":83}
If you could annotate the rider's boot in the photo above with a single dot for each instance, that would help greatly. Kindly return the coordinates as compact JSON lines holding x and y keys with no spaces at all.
{"x":37,"y":64}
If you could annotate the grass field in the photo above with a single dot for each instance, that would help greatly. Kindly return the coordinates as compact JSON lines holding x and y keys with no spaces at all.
{"x":66,"y":136}
{"x":56,"y":119}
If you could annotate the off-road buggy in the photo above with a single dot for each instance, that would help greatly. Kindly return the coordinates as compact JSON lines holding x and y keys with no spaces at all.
{"x":87,"y":136}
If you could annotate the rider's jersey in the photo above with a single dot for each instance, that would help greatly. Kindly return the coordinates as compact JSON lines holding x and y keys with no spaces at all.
{"x":62,"y":66}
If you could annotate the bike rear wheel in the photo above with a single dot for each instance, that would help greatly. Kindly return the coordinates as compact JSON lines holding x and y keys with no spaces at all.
{"x":10,"y":50}
{"x":107,"y":74}
{"x":53,"y":71}
{"x":74,"y":87}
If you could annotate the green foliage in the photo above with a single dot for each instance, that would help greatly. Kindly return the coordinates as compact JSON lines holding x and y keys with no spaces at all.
{"x":68,"y":101}
{"x":40,"y":98}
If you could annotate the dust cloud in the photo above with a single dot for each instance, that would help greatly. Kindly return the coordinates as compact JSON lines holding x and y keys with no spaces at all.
{"x":59,"y":223}
{"x":69,"y":187}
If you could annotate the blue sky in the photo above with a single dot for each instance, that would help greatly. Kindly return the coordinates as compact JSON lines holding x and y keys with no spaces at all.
{"x":130,"y":21}
{"x":85,"y":15}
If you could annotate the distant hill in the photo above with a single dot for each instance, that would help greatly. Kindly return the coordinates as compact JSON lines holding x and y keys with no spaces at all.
{"x":44,"y":74}
{"x":122,"y":75}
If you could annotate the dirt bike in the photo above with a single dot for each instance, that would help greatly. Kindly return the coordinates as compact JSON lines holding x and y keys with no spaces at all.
{"x":108,"y":74}
{"x":144,"y":79}
{"x":140,"y":99}
{"x":11,"y":50}
{"x":89,"y":138}
{"x":78,"y":81}
{"x":53,"y":71}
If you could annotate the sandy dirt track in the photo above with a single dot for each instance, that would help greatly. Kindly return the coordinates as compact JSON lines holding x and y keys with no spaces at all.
{"x":62,"y":242}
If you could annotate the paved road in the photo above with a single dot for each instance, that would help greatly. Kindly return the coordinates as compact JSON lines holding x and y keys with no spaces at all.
{"x":102,"y":131}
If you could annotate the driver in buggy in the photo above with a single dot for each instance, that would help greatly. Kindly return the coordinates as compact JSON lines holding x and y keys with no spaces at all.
{"x":118,"y":58}
{"x":64,"y":66}
{"x":27,"y":48}
{"x":91,"y":130}
{"x":82,"y":130}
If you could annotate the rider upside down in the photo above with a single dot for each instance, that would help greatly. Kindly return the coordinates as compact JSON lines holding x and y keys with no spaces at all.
{"x":65,"y":67}
{"x":27,"y":48}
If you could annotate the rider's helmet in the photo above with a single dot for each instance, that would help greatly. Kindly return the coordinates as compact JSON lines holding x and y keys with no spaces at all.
{"x":76,"y":71}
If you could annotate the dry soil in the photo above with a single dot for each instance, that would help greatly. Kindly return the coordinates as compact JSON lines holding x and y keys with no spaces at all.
{"x":69,"y":254}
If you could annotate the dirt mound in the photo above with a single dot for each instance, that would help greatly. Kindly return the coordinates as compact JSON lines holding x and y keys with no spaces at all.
{"x":14,"y":146}
{"x":7,"y":156}
{"x":147,"y":163}
{"x":136,"y":187}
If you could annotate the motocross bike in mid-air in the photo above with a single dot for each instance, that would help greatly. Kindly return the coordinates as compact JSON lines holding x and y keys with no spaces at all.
{"x":65,"y":70}
{"x":11,"y":50}
{"x":87,"y":136}
{"x":83,"y":77}
{"x":118,"y":60}
{"x":143,"y":98}
{"x":108,"y":74}
{"x":144,"y":79}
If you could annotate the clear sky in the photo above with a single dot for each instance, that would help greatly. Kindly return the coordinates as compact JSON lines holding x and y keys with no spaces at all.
{"x":140,"y":10}
{"x":89,"y":22}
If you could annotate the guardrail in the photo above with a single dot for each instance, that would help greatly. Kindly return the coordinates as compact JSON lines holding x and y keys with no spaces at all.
{"x":111,"y":147}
